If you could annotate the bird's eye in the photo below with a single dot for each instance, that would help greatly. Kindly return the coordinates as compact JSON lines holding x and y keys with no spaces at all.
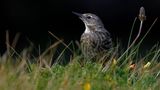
{"x":89,"y":17}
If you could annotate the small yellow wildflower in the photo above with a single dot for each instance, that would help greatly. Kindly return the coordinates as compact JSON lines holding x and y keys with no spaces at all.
{"x":147,"y":65}
{"x":114,"y":61}
{"x":87,"y":86}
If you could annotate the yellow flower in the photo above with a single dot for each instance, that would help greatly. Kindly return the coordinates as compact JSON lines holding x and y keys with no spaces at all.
{"x":87,"y":86}
{"x":114,"y":61}
{"x":147,"y":65}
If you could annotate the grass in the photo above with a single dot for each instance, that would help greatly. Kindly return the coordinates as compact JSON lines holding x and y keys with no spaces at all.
{"x":25,"y":75}
{"x":128,"y":70}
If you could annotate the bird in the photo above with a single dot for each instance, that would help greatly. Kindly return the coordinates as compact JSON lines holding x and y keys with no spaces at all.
{"x":95,"y":40}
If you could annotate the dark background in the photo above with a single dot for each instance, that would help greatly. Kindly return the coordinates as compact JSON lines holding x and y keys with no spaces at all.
{"x":34,"y":18}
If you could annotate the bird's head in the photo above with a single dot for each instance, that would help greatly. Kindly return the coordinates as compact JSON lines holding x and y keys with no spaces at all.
{"x":90,"y":19}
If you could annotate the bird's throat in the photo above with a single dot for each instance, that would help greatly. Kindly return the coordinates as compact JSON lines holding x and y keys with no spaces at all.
{"x":87,"y":30}
{"x":90,"y":29}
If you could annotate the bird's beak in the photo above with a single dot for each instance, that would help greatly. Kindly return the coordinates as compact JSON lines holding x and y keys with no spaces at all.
{"x":78,"y":14}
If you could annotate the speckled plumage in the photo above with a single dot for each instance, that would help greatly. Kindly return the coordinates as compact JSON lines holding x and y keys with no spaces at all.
{"x":95,"y":39}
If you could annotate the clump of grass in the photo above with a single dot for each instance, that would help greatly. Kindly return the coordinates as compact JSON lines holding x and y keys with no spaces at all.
{"x":22,"y":71}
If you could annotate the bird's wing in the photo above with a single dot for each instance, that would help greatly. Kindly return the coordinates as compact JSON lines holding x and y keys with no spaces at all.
{"x":105,"y":41}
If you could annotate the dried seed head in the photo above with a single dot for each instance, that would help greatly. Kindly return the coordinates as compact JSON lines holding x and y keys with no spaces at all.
{"x":142,"y":15}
